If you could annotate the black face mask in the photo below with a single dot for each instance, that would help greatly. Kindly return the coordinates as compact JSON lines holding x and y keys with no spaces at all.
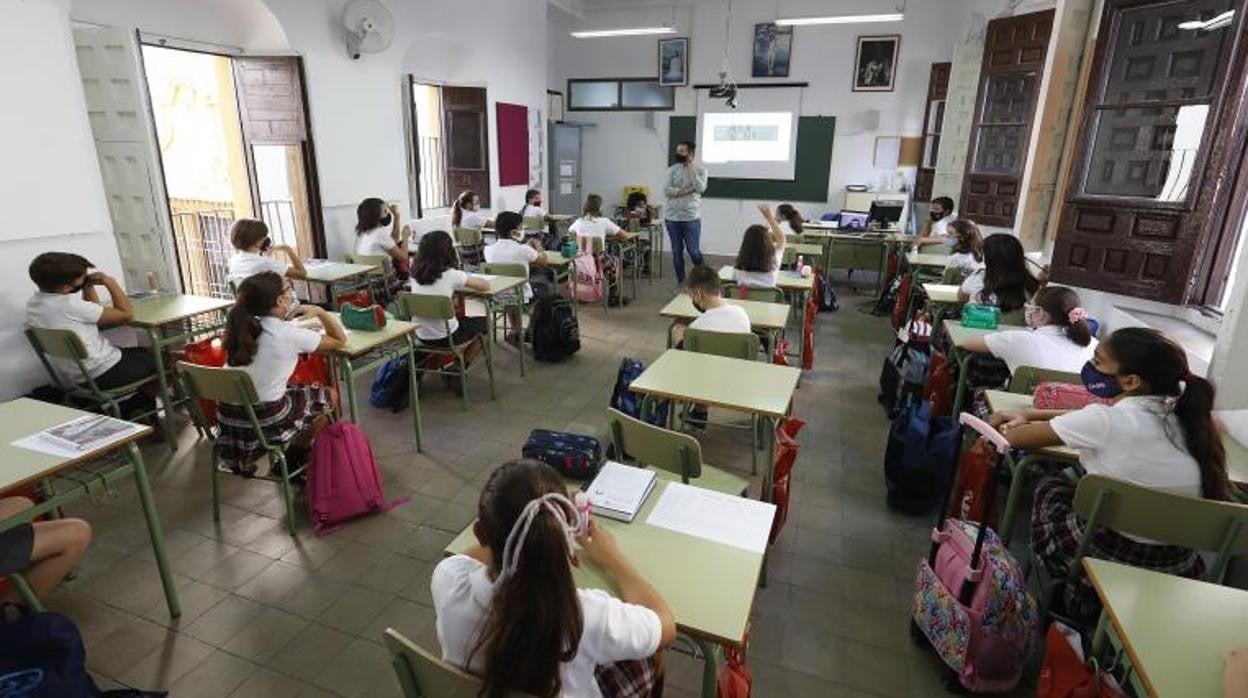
{"x":385,"y":220}
{"x":936,"y":216}
{"x":682,"y":158}
{"x":265,"y":244}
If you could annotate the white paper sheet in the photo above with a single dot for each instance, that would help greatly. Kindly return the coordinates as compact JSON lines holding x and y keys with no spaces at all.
{"x":486,"y":277}
{"x":79,"y":436}
{"x":723,"y":518}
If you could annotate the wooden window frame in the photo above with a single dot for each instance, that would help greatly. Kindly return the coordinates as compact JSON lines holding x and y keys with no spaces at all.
{"x":619,"y":95}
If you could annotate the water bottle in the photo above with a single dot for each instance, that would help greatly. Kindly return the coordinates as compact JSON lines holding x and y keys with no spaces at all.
{"x":801,"y":262}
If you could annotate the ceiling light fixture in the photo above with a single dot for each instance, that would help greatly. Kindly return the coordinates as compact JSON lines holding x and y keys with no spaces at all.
{"x":634,"y":31}
{"x":840,"y":19}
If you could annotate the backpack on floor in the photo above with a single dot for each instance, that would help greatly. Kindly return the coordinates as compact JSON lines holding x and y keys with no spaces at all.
{"x":556,"y":333}
{"x":392,"y":386}
{"x":586,"y":281}
{"x":825,"y":295}
{"x":888,"y":297}
{"x":573,"y":455}
{"x":901,"y":302}
{"x":629,"y":402}
{"x":903,"y":373}
{"x":971,"y":600}
{"x":808,"y":333}
{"x":343,"y":481}
{"x":42,"y":656}
{"x":919,"y":458}
{"x":787,"y":448}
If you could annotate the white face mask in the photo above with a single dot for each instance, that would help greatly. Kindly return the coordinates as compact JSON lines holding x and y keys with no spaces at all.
{"x":571,"y":514}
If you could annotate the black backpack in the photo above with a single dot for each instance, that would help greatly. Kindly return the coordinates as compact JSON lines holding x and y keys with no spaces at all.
{"x":556,"y":334}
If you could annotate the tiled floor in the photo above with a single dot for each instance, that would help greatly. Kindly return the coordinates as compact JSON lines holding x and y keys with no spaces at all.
{"x":269,"y":615}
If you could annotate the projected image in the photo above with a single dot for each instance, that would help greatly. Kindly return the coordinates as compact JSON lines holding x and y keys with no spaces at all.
{"x":752,"y":145}
{"x":746,"y":133}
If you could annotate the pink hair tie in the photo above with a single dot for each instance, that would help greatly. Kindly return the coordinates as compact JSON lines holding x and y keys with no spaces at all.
{"x":1077,"y":314}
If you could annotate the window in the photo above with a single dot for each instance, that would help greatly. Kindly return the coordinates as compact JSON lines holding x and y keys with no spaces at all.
{"x":1138,"y":218}
{"x":450,"y":152}
{"x":1009,"y":84}
{"x":620,"y":94}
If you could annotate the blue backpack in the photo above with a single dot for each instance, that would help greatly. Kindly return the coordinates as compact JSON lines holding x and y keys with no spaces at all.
{"x":391,"y":386}
{"x":920,"y":457}
{"x":630,"y":403}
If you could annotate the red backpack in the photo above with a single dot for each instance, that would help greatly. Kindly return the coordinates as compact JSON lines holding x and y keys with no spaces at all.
{"x":343,"y":481}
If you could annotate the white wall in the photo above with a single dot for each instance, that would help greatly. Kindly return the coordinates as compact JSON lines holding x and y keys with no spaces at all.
{"x":623,"y":150}
{"x":48,"y":110}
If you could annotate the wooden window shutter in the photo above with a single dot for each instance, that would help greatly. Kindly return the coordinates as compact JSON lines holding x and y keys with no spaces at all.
{"x":270,"y":99}
{"x":466,"y":124}
{"x":1009,"y":85}
{"x":1138,"y":209}
{"x":933,"y":120}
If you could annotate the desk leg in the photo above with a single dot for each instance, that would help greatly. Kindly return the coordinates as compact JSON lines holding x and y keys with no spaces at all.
{"x":710,"y":666}
{"x":348,"y":384}
{"x":154,"y":529}
{"x":1018,"y":477}
{"x":959,"y":396}
{"x":488,"y":301}
{"x":166,"y":394}
{"x":414,"y":377}
{"x":520,"y":326}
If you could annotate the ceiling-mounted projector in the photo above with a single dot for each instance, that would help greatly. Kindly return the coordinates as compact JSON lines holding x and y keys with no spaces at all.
{"x":726,"y":91}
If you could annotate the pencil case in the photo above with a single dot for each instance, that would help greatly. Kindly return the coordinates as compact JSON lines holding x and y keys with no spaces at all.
{"x":368,"y":319}
{"x":981,"y":317}
{"x":569,"y":249}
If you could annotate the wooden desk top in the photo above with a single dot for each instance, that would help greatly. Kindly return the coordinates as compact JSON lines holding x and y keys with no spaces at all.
{"x":24,"y":417}
{"x":755,"y":387}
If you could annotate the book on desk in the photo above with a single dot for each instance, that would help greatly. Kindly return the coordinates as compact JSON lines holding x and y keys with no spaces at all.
{"x":619,"y":491}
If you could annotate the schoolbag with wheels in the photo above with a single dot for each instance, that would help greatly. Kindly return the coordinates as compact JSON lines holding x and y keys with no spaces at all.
{"x":586,"y":281}
{"x":343,"y":481}
{"x":919,"y":458}
{"x":971,"y":601}
{"x":391,"y":386}
{"x":629,"y":403}
{"x":574,"y":455}
{"x":903,"y":373}
{"x":825,"y":295}
{"x":556,"y":333}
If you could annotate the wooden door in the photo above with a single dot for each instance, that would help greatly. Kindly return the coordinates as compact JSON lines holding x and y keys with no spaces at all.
{"x":466,"y":125}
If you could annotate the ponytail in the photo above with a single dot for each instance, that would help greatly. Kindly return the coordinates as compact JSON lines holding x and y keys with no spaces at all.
{"x":1061,"y":304}
{"x":257,"y":296}
{"x":457,"y":209}
{"x":792,"y":215}
{"x":1162,"y":366}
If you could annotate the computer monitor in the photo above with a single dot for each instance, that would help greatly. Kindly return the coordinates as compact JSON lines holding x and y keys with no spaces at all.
{"x":885,"y":213}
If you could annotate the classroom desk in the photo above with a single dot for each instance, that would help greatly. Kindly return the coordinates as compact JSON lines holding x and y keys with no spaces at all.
{"x":958,"y":336}
{"x":855,"y":249}
{"x":364,"y":352}
{"x":757,"y":388}
{"x":930,"y":261}
{"x":499,"y":285}
{"x":941,"y":293}
{"x":791,"y":283}
{"x":170,"y":320}
{"x":814,"y":252}
{"x":709,"y":586}
{"x":769,"y":318}
{"x":1175,"y":631}
{"x":331,"y":274}
{"x":627,"y":247}
{"x":561,"y":267}
{"x":23,"y":417}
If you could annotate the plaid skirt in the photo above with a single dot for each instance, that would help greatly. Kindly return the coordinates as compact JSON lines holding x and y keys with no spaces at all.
{"x":640,"y":678}
{"x":1056,"y":532}
{"x":281,"y":420}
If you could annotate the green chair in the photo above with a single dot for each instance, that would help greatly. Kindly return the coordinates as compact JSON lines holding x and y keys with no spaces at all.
{"x":470,"y":243}
{"x":764,"y":295}
{"x":597,"y":246}
{"x":1026,"y":378}
{"x":234,"y":386}
{"x":797,"y":239}
{"x":423,"y":675}
{"x":789,"y":257}
{"x":415,"y":305}
{"x":1172,"y":519}
{"x":670,"y":453}
{"x":505,"y":269}
{"x":953,"y":276}
{"x":732,"y":345}
{"x":381,"y":281}
{"x":67,"y":346}
{"x":534,"y":223}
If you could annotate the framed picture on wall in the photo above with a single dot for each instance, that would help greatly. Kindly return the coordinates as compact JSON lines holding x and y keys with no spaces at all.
{"x":773,"y":47}
{"x":674,"y":61}
{"x":875,"y":67}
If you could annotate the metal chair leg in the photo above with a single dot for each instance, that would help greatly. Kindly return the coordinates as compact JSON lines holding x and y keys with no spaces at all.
{"x":216,"y":487}
{"x":287,"y":496}
{"x":23,"y":589}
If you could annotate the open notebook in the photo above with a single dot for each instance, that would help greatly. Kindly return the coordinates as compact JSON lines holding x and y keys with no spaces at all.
{"x":618,"y":491}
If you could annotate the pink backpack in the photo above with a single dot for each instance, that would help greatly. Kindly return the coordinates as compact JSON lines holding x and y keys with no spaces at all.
{"x":588,"y":279}
{"x":343,"y":481}
{"x":1065,"y":396}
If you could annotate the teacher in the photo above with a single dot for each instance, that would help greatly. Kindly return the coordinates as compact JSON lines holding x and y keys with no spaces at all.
{"x":686,"y":180}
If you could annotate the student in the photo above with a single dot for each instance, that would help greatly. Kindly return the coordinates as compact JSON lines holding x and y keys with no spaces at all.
{"x":532,"y":205}
{"x":791,"y":220}
{"x":762,"y":249}
{"x":1004,"y":281}
{"x":434,"y":273}
{"x":509,"y":610}
{"x":968,"y":251}
{"x":1059,"y":338}
{"x":377,"y":232}
{"x":510,"y":250}
{"x":253,"y":253}
{"x":637,"y":206}
{"x":68,"y":299}
{"x":706,"y":292}
{"x":42,"y":551}
{"x":593,"y":225}
{"x":936,"y":228}
{"x":467,"y":213}
{"x":260,"y":341}
{"x":1159,"y":433}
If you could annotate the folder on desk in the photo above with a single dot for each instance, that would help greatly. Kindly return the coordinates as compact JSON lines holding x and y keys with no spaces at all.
{"x":619,"y":491}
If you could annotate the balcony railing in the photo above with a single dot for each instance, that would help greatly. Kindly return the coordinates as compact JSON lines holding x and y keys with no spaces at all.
{"x":201,"y":230}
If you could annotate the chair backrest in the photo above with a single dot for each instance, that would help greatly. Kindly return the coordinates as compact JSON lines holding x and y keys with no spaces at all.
{"x":467,"y":237}
{"x":788,"y":257}
{"x":734,"y":345}
{"x":220,"y":383}
{"x":381,"y":261}
{"x":596,"y":244}
{"x":426,"y":305}
{"x":534,"y":223}
{"x":423,"y":675}
{"x":794,"y":239}
{"x":1026,"y":378}
{"x":764,"y":295}
{"x":505,"y":269}
{"x":953,"y":276}
{"x":633,"y":225}
{"x":1014,"y":317}
{"x":655,"y":446}
{"x":1190,"y":522}
{"x":62,"y":344}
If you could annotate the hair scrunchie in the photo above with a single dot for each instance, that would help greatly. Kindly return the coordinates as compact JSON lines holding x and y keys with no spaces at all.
{"x":1076,"y":315}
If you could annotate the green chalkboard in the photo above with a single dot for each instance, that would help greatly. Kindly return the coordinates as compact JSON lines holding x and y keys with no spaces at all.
{"x":812,"y":169}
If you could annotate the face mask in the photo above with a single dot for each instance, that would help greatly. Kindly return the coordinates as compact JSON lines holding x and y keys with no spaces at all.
{"x":571,"y":514}
{"x":386,"y":220}
{"x":1099,"y":383}
{"x":696,"y":305}
{"x":936,"y":216}
{"x":265,"y":244}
